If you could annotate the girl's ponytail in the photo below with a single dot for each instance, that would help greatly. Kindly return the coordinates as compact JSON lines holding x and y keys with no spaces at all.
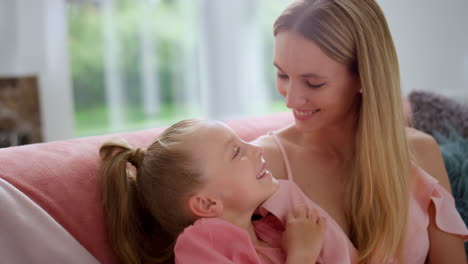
{"x":146,"y":205}
{"x":134,"y":234}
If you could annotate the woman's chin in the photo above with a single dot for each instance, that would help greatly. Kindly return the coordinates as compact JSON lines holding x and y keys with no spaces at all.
{"x":305,"y":126}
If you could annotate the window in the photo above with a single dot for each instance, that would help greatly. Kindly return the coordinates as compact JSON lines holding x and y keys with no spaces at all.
{"x":140,"y":64}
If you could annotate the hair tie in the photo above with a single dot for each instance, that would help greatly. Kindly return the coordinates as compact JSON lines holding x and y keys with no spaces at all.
{"x":136,"y":157}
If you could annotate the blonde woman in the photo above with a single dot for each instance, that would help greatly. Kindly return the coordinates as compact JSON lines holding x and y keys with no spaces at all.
{"x":383,"y":188}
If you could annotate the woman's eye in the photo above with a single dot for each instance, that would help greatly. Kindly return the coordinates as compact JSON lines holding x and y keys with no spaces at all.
{"x":281,"y":76}
{"x":315,"y":86}
{"x":236,"y":152}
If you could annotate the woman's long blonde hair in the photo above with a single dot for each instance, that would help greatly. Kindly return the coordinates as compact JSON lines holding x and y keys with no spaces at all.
{"x":146,"y":212}
{"x":355,"y":33}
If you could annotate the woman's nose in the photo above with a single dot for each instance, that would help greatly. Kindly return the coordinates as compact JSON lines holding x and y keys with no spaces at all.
{"x":294,"y":97}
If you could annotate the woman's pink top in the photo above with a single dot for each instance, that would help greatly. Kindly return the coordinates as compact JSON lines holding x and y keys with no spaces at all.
{"x":338,"y":249}
{"x":217,"y":241}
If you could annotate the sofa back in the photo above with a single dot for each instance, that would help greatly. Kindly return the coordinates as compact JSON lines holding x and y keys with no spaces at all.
{"x":63,"y":177}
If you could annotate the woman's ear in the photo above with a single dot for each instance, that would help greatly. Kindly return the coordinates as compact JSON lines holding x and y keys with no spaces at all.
{"x":357,"y":83}
{"x":204,"y":206}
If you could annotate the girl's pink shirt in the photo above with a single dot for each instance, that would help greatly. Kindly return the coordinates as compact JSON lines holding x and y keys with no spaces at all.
{"x":213,"y":240}
{"x":216,"y":241}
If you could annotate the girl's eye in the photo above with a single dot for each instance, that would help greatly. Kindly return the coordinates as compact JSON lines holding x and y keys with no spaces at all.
{"x":236,"y":152}
{"x":315,"y":86}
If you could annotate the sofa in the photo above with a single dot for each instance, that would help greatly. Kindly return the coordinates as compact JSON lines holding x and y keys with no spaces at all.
{"x":50,"y":206}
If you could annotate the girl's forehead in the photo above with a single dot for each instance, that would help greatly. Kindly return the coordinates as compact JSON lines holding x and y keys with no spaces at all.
{"x":209,"y":145}
{"x":209,"y":131}
{"x":213,"y":126}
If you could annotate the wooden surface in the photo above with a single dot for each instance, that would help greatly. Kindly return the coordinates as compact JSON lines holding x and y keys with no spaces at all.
{"x":20,"y":119}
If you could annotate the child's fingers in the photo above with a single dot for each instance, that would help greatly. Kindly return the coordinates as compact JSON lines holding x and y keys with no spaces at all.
{"x":309,"y":212}
{"x":321,"y":222}
{"x":304,"y":212}
{"x":300,"y":212}
{"x":313,"y":215}
{"x":289,"y":217}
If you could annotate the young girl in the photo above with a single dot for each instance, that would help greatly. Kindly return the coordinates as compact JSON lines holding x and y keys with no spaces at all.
{"x":194,"y":193}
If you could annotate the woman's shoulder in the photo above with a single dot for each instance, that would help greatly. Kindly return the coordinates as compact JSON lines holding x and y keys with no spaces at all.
{"x":416,"y":136}
{"x":426,"y":155}
{"x":271,"y":150}
{"x":268,"y":141}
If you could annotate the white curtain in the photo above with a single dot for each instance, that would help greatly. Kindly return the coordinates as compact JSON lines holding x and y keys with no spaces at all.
{"x":150,"y":81}
{"x":231,"y":58}
{"x":113,"y":73}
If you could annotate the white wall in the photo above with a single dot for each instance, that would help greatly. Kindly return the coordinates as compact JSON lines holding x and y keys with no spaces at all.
{"x":431,"y":37}
{"x":33,"y":39}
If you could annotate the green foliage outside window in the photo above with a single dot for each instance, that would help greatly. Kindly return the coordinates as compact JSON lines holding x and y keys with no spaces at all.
{"x":172,"y":25}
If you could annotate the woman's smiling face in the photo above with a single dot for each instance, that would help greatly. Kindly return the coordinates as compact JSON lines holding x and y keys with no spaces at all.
{"x":320,"y":91}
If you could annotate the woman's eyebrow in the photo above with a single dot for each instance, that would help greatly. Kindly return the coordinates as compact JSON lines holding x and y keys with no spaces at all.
{"x":304,"y":75}
{"x":312,"y":75}
{"x":277,"y":66}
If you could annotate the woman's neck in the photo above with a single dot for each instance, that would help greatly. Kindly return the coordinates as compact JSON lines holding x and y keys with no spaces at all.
{"x":334,"y":141}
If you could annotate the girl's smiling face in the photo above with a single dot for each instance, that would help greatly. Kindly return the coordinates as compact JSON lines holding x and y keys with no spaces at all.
{"x":233,"y":170}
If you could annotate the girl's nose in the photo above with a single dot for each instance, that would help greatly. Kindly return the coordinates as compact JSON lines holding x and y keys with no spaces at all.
{"x":257,"y":150}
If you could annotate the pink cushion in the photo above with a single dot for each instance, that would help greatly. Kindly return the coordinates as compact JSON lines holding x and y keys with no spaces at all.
{"x":62,"y":177}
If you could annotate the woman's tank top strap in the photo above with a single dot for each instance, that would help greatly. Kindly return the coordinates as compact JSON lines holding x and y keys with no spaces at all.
{"x":283,"y":154}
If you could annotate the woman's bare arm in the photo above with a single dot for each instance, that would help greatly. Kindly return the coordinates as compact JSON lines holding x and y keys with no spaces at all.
{"x":444,"y":247}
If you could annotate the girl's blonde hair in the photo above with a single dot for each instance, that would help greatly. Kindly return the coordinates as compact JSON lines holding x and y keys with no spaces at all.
{"x":355,"y":33}
{"x":146,"y":212}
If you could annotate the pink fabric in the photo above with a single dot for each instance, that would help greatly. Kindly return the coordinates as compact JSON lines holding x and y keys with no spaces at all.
{"x":337,"y":248}
{"x":63,"y":177}
{"x":212,"y":240}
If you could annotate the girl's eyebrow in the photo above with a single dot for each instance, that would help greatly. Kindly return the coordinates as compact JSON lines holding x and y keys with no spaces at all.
{"x":227,"y":144}
{"x":229,"y":141}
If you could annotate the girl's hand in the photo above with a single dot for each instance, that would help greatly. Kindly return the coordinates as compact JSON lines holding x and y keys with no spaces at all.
{"x":303,"y":237}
